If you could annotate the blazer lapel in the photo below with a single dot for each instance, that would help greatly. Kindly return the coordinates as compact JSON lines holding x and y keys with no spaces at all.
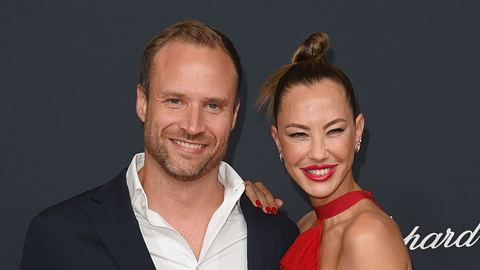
{"x":260,"y":236}
{"x":117,"y":226}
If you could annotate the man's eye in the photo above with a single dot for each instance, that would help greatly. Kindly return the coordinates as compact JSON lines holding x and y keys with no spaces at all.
{"x":213,"y":106}
{"x":174,"y":101}
{"x":335,"y":131}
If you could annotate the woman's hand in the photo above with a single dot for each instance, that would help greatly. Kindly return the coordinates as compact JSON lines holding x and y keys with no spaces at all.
{"x":261,"y":197}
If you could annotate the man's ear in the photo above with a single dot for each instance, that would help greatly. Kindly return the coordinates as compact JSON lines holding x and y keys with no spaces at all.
{"x":274,"y":132}
{"x":141,"y":104}
{"x":235,"y":114}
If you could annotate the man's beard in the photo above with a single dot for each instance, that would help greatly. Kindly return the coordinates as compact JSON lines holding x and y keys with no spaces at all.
{"x":156,"y":144}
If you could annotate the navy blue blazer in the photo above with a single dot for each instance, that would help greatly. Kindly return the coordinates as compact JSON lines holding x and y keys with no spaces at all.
{"x":98,"y":230}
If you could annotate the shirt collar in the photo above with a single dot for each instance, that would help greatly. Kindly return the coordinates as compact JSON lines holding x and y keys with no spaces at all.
{"x":133,"y":181}
{"x":233,"y":184}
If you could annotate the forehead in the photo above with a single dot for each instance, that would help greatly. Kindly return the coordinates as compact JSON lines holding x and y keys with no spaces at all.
{"x":183,"y":66}
{"x":321,"y":101}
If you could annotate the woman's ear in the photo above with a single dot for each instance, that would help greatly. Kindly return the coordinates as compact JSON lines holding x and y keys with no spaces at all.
{"x":359,"y":125}
{"x":274,"y":132}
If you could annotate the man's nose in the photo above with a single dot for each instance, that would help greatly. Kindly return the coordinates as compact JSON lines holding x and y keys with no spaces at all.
{"x":193,"y":120}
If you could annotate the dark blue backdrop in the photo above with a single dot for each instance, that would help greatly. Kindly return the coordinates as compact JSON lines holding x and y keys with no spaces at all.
{"x":69,"y":68}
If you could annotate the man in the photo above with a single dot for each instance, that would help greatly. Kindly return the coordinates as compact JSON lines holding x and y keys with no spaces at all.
{"x":177,"y":206}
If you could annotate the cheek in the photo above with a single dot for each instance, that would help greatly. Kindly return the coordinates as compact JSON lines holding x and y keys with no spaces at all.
{"x":158,"y":120}
{"x":342,"y":148}
{"x":293,"y":152}
{"x":219,"y":126}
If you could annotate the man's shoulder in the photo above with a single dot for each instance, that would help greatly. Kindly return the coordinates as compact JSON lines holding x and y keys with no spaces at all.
{"x":77,"y":206}
{"x":269,"y":236}
{"x":255,"y":217}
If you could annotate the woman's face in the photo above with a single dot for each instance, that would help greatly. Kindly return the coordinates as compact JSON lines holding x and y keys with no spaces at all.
{"x":317,"y":136}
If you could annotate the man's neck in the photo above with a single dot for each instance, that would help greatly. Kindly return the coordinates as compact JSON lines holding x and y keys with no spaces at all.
{"x":166,"y":194}
{"x":186,"y":206}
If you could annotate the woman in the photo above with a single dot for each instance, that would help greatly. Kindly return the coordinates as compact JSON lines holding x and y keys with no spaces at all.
{"x":317,"y":131}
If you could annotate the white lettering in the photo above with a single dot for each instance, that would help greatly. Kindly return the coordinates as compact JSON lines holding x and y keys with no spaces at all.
{"x":449,"y":237}
{"x":435,"y":240}
{"x":469,"y":240}
{"x":412,"y":236}
{"x":434,"y":243}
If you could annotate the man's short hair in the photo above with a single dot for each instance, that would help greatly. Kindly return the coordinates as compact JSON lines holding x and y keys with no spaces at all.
{"x":193,"y":32}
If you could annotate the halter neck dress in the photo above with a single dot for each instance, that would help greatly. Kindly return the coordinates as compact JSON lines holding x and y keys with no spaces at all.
{"x":303,"y":254}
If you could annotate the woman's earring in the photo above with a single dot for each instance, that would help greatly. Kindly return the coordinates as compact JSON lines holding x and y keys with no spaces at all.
{"x":358,"y":144}
{"x":280,"y":156}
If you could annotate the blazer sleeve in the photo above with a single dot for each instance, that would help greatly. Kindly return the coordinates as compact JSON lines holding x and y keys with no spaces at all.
{"x":269,"y":236}
{"x":287,"y":233}
{"x":37,"y":248}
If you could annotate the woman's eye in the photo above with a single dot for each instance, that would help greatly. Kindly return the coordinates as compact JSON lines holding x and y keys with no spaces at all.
{"x":298,"y":135}
{"x":335,"y":131}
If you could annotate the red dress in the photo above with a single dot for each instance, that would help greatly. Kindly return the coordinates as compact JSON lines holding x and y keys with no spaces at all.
{"x":303,"y":254}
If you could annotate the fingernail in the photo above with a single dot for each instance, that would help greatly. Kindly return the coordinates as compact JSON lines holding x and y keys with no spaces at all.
{"x":268,"y":209}
{"x":258,"y":203}
{"x":274,"y":210}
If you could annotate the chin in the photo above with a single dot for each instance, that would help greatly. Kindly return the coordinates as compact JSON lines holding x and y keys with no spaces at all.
{"x":318,"y":194}
{"x":319,"y":190}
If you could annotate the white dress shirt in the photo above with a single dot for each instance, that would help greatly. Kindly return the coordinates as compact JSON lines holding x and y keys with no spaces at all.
{"x":225,"y":241}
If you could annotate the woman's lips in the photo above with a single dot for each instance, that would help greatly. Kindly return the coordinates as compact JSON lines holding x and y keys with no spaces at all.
{"x":319,"y":173}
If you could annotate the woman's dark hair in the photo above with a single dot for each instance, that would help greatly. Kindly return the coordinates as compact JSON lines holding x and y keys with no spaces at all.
{"x":308,"y":66}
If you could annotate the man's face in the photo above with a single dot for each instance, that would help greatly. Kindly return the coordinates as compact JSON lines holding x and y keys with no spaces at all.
{"x":190,"y":110}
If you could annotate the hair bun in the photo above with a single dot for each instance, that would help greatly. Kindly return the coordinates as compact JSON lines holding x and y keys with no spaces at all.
{"x":314,"y":47}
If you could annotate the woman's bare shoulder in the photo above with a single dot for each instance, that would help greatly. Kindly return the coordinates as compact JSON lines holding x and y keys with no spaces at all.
{"x":373,"y":240}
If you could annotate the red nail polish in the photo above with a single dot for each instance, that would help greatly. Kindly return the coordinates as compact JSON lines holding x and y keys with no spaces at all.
{"x":258,"y":203}
{"x":268,"y":209}
{"x":274,"y":210}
